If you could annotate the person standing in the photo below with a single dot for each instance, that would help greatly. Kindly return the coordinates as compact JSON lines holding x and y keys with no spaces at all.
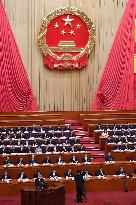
{"x":40,"y":183}
{"x":79,"y":186}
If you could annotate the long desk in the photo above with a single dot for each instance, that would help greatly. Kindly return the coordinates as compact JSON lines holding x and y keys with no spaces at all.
{"x":110,"y":120}
{"x":30,"y":122}
{"x":110,"y":146}
{"x":109,"y":168}
{"x":108,"y":114}
{"x":125,"y":155}
{"x":110,"y":183}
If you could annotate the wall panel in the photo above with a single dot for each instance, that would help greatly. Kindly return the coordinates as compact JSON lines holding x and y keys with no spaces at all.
{"x":55,"y":90}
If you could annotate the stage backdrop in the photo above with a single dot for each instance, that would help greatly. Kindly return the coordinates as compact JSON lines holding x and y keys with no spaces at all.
{"x":58,"y":90}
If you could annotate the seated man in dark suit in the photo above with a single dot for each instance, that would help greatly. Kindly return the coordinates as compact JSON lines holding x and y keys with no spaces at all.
{"x":74,"y":141}
{"x":86,"y":159}
{"x":22,"y":177}
{"x":40,"y":183}
{"x":81,"y":148}
{"x":7,"y":161}
{"x":69,"y":174}
{"x":109,"y":157}
{"x":51,"y":148}
{"x":28,"y":149}
{"x":79,"y":186}
{"x":116,"y":147}
{"x":109,"y":140}
{"x":20,"y":161}
{"x":18,"y":142}
{"x":37,"y":174}
{"x":121,"y":172}
{"x":73,"y":160}
{"x":47,"y":160}
{"x":14,"y":149}
{"x":60,"y":160}
{"x":33,"y":161}
{"x":63,"y":149}
{"x":87,"y":174}
{"x":53,"y":174}
{"x":124,"y":140}
{"x":5,"y":150}
{"x":100,"y":173}
{"x":6,"y":177}
{"x":124,"y":147}
{"x":38,"y":150}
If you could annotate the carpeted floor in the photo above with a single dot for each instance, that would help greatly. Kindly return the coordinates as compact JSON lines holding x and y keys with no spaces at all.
{"x":93,"y":198}
{"x":105,"y":198}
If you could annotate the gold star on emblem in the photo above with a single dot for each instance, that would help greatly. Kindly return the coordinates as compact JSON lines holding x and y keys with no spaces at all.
{"x":68,"y":21}
{"x":78,"y":26}
{"x":56,"y":25}
{"x":72,"y":32}
{"x":63,"y":32}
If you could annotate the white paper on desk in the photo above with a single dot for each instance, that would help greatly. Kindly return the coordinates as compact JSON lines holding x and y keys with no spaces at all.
{"x":101,"y":177}
{"x":111,"y":162}
{"x":69,"y":178}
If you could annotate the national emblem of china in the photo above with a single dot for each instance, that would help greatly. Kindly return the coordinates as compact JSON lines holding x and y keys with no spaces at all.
{"x":66,"y":38}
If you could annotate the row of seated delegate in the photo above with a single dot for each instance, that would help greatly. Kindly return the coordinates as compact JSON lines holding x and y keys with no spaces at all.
{"x":54,"y":175}
{"x":34,"y":130}
{"x":43,"y":160}
{"x":48,"y":160}
{"x":116,"y":127}
{"x":117,"y":139}
{"x":74,"y":159}
{"x":40,"y":142}
{"x":41,"y":149}
{"x":36,"y":136}
{"x":120,"y":133}
{"x":43,"y":135}
{"x":125,"y":147}
{"x":122,"y":143}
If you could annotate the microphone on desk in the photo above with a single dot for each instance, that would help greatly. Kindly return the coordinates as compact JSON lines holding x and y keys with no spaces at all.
{"x":126,"y":184}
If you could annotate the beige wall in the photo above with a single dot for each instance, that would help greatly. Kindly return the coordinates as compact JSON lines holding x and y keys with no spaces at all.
{"x":55,"y":90}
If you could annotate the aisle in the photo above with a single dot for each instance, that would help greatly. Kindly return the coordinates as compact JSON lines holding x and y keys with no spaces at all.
{"x":97,"y":155}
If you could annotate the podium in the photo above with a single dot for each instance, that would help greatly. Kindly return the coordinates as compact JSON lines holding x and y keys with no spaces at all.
{"x":53,"y":195}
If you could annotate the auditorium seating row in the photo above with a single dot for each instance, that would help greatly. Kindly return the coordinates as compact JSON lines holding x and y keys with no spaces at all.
{"x":42,"y":149}
{"x":40,"y":157}
{"x":107,"y":114}
{"x":109,"y":169}
{"x":40,"y":141}
{"x":33,"y":129}
{"x":107,"y":118}
{"x":104,"y":141}
{"x":106,"y":133}
{"x":109,"y":183}
{"x":123,"y":156}
{"x":124,"y":147}
{"x":24,"y":122}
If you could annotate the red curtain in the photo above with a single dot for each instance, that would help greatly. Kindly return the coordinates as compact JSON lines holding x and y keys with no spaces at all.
{"x":15,"y":90}
{"x":117,"y":88}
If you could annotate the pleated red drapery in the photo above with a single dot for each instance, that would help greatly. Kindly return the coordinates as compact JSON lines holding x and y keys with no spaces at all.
{"x":15,"y":90}
{"x":117,"y":88}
